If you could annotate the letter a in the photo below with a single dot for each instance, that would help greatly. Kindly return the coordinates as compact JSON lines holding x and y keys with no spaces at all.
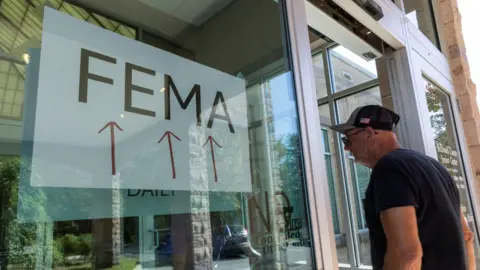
{"x":213,"y":114}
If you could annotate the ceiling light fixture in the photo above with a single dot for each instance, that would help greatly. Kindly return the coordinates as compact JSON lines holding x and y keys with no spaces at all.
{"x":26,"y":57}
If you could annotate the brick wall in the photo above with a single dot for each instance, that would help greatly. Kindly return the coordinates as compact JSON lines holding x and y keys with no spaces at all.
{"x":450,"y":20}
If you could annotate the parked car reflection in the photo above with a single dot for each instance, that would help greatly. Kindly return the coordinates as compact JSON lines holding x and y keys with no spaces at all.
{"x":231,"y":241}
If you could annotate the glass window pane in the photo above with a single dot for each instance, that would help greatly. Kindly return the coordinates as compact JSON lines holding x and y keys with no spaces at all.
{"x":56,"y":3}
{"x":420,"y":13}
{"x":20,"y":85}
{"x":9,"y":96}
{"x":38,"y":2}
{"x":15,"y":12}
{"x":3,"y":77}
{"x":224,"y":188}
{"x":12,"y":82}
{"x":7,"y":110}
{"x":18,"y":98}
{"x":325,"y":118}
{"x":444,"y":133}
{"x":2,"y":94}
{"x":126,"y":31}
{"x":81,"y":11}
{"x":4,"y":67}
{"x":17,"y":111}
{"x":347,"y":105}
{"x":20,"y":39}
{"x":349,"y":69}
{"x":18,"y":69}
{"x":110,"y":25}
{"x":319,"y":73}
{"x":358,"y":176}
{"x":34,"y":24}
{"x":334,"y":186}
{"x":93,"y":21}
{"x":27,"y":31}
{"x":69,"y":9}
{"x":13,"y":94}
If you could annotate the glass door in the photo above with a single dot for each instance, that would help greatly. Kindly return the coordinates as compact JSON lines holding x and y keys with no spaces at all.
{"x":442,"y":133}
{"x":446,"y":144}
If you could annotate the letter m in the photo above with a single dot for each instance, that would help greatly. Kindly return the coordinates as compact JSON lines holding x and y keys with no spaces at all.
{"x":169,"y":84}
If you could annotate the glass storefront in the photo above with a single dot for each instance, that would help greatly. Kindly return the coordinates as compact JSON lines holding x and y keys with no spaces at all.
{"x":169,"y":140}
{"x":446,"y":144}
{"x":165,"y":135}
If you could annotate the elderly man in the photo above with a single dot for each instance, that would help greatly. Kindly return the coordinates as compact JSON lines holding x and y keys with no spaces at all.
{"x":412,"y":205}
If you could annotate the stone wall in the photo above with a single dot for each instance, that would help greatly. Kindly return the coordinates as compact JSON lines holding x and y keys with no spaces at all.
{"x":450,"y":20}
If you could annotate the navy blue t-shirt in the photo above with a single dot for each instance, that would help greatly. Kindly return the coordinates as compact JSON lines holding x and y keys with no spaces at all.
{"x":408,"y":178}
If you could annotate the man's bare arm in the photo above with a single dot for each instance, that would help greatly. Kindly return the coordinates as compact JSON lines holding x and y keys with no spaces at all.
{"x":404,"y":250}
{"x":468,"y":237}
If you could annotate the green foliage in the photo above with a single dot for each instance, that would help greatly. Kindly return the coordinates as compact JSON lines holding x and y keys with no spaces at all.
{"x":18,"y":239}
{"x":86,"y":244}
{"x":75,"y":244}
{"x":433,"y":98}
{"x":288,"y":154}
{"x":437,"y":116}
{"x":58,"y":258}
{"x":287,"y":150}
{"x":9,"y":177}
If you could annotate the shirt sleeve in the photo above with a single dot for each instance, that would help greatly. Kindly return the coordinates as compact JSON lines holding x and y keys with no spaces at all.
{"x":392,"y":187}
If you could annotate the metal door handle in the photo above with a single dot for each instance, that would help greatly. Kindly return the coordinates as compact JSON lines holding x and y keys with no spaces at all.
{"x":157,"y":238}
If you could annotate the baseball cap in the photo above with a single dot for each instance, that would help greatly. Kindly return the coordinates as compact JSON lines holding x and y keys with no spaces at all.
{"x":374,"y":116}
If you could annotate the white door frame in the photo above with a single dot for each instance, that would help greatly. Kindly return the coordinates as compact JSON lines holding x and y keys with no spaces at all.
{"x":311,"y":137}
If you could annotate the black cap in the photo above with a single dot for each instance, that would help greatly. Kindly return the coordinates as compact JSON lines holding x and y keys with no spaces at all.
{"x":374,"y":116}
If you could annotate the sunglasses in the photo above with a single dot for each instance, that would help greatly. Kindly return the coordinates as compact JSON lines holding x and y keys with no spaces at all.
{"x":346,"y":139}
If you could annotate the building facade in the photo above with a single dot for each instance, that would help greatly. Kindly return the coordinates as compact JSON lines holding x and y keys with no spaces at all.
{"x":194,"y":134}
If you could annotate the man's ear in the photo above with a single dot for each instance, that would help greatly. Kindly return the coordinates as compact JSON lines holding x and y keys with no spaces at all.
{"x":370,"y":132}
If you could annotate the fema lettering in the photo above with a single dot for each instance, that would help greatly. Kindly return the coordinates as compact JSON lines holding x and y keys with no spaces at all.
{"x":169,"y":85}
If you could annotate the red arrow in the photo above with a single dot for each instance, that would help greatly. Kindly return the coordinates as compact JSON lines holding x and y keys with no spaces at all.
{"x":212,"y":140}
{"x":112,"y":141}
{"x":169,"y":135}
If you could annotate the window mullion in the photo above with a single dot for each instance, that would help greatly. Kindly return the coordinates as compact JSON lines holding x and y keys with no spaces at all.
{"x":344,"y":212}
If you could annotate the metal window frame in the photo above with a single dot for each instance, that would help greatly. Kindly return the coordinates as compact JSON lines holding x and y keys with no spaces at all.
{"x":335,"y":186}
{"x":310,"y":130}
{"x":349,"y":91}
{"x":342,"y":174}
{"x":347,"y":198}
{"x":358,"y":195}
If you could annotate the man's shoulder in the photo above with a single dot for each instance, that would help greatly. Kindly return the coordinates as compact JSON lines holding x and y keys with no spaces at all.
{"x":394,"y":157}
{"x":403,"y":156}
{"x":400,"y":161}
